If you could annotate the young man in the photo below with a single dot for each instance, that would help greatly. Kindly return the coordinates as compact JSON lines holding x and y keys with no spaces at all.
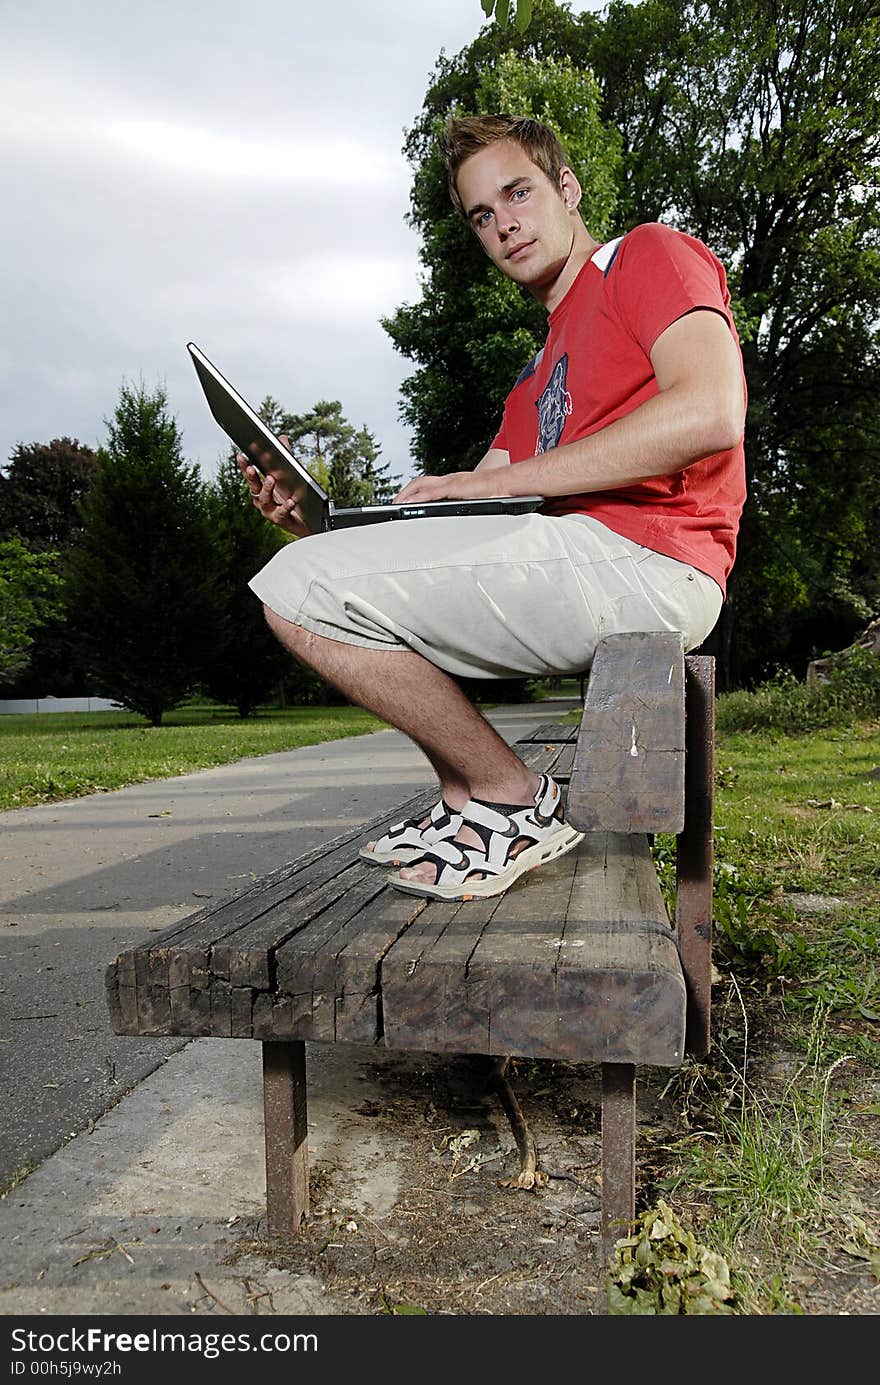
{"x":629,"y":421}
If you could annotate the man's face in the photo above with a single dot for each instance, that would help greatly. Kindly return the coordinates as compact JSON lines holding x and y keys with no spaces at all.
{"x":519,"y":217}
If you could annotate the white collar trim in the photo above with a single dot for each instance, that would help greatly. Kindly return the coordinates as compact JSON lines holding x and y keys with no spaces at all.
{"x":602,"y":257}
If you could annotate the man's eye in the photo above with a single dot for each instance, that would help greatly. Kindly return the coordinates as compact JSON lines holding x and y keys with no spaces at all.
{"x":483,"y":218}
{"x":520,"y":193}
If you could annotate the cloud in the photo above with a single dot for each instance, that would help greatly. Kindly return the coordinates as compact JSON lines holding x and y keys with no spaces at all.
{"x":308,"y":160}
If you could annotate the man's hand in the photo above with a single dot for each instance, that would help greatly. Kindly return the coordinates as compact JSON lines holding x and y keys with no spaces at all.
{"x":271,"y":504}
{"x":457,"y":485}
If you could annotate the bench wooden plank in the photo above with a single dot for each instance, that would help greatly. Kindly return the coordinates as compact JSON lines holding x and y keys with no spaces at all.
{"x":553,"y":732}
{"x":238,"y":938}
{"x":628,"y":771}
{"x":577,"y":961}
{"x":428,"y":992}
{"x":335,"y":969}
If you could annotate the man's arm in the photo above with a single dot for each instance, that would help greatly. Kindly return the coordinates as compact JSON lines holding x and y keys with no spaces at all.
{"x":699,"y":409}
{"x":495,"y":457}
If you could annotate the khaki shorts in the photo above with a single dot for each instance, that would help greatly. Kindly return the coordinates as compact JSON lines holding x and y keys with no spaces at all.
{"x":492,"y":596}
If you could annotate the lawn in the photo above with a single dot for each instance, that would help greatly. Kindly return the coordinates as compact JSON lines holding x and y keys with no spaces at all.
{"x":61,"y":755}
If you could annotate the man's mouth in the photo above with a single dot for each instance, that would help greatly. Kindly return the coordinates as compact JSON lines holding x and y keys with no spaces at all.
{"x":519,"y":249}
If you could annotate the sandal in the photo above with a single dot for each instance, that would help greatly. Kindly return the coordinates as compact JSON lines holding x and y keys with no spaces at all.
{"x":406,"y":841}
{"x":515,"y":839}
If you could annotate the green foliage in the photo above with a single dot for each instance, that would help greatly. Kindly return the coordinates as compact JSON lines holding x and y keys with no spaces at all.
{"x":850,"y":691}
{"x":40,"y":491}
{"x":663,"y":1270}
{"x":140,"y":572}
{"x":40,"y":494}
{"x":521,"y":17}
{"x":29,"y":596}
{"x":757,"y":129}
{"x":770,"y":1166}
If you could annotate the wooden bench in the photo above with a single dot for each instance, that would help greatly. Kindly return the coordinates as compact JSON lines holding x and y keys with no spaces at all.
{"x":578,"y":961}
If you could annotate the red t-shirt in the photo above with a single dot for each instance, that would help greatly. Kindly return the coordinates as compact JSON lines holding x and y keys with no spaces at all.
{"x":595,"y":367}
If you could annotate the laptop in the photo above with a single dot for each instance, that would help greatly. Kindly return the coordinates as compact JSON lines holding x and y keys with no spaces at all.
{"x":244,"y":426}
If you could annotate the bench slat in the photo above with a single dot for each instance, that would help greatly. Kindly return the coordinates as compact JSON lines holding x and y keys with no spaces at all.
{"x":628,"y":771}
{"x":553,"y":732}
{"x":560,"y":969}
{"x":576,"y":961}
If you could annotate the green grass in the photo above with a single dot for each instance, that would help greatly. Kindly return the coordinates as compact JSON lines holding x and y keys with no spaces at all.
{"x":796,"y":816}
{"x":62,"y":755}
{"x":779,"y":1150}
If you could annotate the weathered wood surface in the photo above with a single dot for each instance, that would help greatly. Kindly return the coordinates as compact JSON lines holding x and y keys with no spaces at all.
{"x":577,"y":960}
{"x":695,"y":851}
{"x":214,"y":972}
{"x":628,"y":770}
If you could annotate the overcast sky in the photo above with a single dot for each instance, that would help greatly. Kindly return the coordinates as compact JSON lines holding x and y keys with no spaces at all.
{"x":230,"y":174}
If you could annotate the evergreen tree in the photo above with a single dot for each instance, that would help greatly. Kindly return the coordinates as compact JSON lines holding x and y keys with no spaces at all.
{"x":342,"y":459}
{"x":245,"y":662}
{"x":140,"y":575}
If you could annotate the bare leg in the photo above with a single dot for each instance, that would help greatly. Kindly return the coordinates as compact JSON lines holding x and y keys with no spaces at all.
{"x":470,"y":758}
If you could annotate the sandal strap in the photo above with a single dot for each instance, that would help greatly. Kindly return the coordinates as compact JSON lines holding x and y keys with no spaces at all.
{"x":442,"y":821}
{"x":500,"y":826}
{"x":455,"y":864}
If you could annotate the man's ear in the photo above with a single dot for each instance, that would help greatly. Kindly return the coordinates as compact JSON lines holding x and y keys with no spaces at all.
{"x":569,"y":188}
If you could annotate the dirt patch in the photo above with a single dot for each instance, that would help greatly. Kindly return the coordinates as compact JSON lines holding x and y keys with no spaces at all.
{"x":457,"y":1241}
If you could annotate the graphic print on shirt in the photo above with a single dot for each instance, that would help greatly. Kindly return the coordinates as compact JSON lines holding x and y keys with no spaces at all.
{"x":554,"y":406}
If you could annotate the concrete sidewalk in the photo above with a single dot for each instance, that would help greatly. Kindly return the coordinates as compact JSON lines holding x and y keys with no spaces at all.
{"x":148,"y":1191}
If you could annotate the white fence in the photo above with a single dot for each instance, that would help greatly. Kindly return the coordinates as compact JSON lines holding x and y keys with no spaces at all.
{"x":57,"y":704}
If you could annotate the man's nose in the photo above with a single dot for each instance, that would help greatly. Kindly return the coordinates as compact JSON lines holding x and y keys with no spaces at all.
{"x":508,"y":230}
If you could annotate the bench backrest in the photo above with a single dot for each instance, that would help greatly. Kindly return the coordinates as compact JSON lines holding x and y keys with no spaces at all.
{"x":644,"y":763}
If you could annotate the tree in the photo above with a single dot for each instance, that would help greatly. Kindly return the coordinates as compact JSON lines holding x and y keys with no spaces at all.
{"x":342,"y":459}
{"x":40,"y":491}
{"x":40,"y":494}
{"x":29,"y":596}
{"x":139,"y":574}
{"x":245,"y":662}
{"x":472,"y":331}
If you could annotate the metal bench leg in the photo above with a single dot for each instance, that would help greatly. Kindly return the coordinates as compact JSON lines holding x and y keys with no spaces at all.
{"x":618,"y":1153}
{"x":287,"y":1159}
